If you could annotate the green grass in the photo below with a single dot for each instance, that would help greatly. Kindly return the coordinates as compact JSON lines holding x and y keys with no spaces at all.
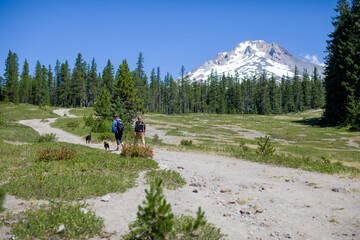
{"x":170,"y":179}
{"x":82,"y":112}
{"x":16,"y":132}
{"x":43,"y":223}
{"x":12,"y":112}
{"x":93,"y":172}
{"x":300,"y":134}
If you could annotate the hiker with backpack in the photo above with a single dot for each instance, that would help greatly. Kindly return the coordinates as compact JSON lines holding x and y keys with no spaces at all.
{"x":118,"y":128}
{"x":140,"y":129}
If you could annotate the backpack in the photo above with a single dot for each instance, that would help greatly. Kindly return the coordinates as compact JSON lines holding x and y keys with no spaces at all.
{"x":120,"y":126}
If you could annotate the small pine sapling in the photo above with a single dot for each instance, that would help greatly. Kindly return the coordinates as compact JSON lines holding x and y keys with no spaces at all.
{"x":265,"y":147}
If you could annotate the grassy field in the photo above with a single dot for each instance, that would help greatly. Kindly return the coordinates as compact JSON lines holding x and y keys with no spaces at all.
{"x":37,"y":167}
{"x":293,"y":134}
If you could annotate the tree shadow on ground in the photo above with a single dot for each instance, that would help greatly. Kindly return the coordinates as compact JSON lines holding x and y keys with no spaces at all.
{"x":315,"y":122}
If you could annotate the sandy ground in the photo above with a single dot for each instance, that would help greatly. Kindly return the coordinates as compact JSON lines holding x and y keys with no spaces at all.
{"x":246,"y":200}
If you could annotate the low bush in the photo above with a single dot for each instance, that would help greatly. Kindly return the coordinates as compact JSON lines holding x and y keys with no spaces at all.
{"x":170,"y":179}
{"x":2,"y":120}
{"x":46,"y":138}
{"x":2,"y":199}
{"x":265,"y":147}
{"x":57,"y":221}
{"x":130,"y":150}
{"x":50,"y":154}
{"x":74,"y":123}
{"x":185,"y":142}
{"x":106,"y":136}
{"x":156,"y":139}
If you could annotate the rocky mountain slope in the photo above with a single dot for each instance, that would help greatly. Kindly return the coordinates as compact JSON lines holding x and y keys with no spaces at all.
{"x":251,"y":58}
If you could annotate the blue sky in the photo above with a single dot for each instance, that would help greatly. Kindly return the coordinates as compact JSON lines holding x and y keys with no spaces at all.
{"x":168,"y":33}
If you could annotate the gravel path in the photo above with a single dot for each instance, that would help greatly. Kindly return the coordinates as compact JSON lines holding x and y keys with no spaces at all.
{"x":246,"y":200}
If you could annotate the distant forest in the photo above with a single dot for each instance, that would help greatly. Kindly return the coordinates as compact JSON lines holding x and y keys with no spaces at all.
{"x":81,"y":86}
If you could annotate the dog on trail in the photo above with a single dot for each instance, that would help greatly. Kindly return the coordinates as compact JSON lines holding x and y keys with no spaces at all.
{"x":106,"y":145}
{"x":88,"y":139}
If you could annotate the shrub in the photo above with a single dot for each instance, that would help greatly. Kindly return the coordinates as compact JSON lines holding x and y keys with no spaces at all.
{"x":186,"y":142}
{"x":2,"y":199}
{"x":49,"y":154}
{"x":89,"y":121}
{"x":154,"y":220}
{"x":2,"y":120}
{"x":130,"y":150}
{"x":74,"y":123}
{"x":101,"y":126}
{"x":106,"y":136}
{"x":265,"y":147}
{"x":44,"y":223}
{"x":46,"y":138}
{"x":170,"y":179}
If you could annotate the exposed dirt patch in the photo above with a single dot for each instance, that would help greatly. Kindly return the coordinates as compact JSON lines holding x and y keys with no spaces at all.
{"x":246,"y":200}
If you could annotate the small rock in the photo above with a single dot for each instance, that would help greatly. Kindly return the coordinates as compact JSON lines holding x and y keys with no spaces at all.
{"x":225,"y":191}
{"x":195,"y":184}
{"x":226,"y":215}
{"x":262,"y":224}
{"x":180,"y":167}
{"x":231,"y":202}
{"x":106,"y":198}
{"x":258,"y":211}
{"x":60,"y":228}
{"x":195,"y":191}
{"x":288,"y":235}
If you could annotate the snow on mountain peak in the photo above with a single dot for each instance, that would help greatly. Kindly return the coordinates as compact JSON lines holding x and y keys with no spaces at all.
{"x":251,"y":58}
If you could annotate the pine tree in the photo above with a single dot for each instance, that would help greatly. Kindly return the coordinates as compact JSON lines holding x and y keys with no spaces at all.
{"x":64,"y":87}
{"x":11,"y":89}
{"x":306,"y":88}
{"x":342,"y":70}
{"x":25,"y":84}
{"x":262,"y":95}
{"x":108,"y":77}
{"x":140,"y":80}
{"x":288,"y":97}
{"x":274,"y":95}
{"x":51,"y":85}
{"x":36,"y":85}
{"x":153,"y":92}
{"x":317,"y":91}
{"x":93,"y":84}
{"x":57,"y":82}
{"x":125,"y":89}
{"x":77,"y":86}
{"x":102,"y":107}
{"x":297,"y":91}
{"x":2,"y":93}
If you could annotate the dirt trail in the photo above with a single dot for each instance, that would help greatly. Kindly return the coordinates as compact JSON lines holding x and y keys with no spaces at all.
{"x":246,"y":200}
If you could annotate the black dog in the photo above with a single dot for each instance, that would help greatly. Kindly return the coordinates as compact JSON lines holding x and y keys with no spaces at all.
{"x":88,"y":139}
{"x":106,"y":146}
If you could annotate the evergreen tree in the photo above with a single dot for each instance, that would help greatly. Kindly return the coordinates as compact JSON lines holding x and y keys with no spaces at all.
{"x":342,"y":70}
{"x":173,"y":96}
{"x":288,"y":97}
{"x":153,"y":92}
{"x":64,"y":88}
{"x":108,"y":77}
{"x":57,"y":82}
{"x":25,"y":84}
{"x":317,"y":91}
{"x":297,"y":91}
{"x":36,"y":85}
{"x":102,"y":107}
{"x":77,"y":86}
{"x":11,"y":89}
{"x":306,"y":88}
{"x":44,"y":87}
{"x":140,"y":80}
{"x":2,"y":93}
{"x":125,"y":89}
{"x":262,"y":95}
{"x":274,"y":95}
{"x":93,"y":84}
{"x":51,"y":85}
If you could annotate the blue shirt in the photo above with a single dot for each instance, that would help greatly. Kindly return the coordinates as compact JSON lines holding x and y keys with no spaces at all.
{"x":114,"y":127}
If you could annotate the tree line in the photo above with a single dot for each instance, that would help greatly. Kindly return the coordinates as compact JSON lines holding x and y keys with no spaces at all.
{"x":83,"y":86}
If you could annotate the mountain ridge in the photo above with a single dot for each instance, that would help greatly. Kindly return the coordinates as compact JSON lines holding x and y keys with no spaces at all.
{"x":251,"y":58}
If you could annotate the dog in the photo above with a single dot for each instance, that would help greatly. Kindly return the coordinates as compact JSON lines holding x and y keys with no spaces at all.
{"x":106,"y":145}
{"x":88,"y":139}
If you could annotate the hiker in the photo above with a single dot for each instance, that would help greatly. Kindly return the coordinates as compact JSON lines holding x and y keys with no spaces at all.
{"x":139,"y":131}
{"x":118,"y":129}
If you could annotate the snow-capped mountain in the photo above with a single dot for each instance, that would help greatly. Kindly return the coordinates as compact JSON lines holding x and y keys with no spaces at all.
{"x":250,"y":58}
